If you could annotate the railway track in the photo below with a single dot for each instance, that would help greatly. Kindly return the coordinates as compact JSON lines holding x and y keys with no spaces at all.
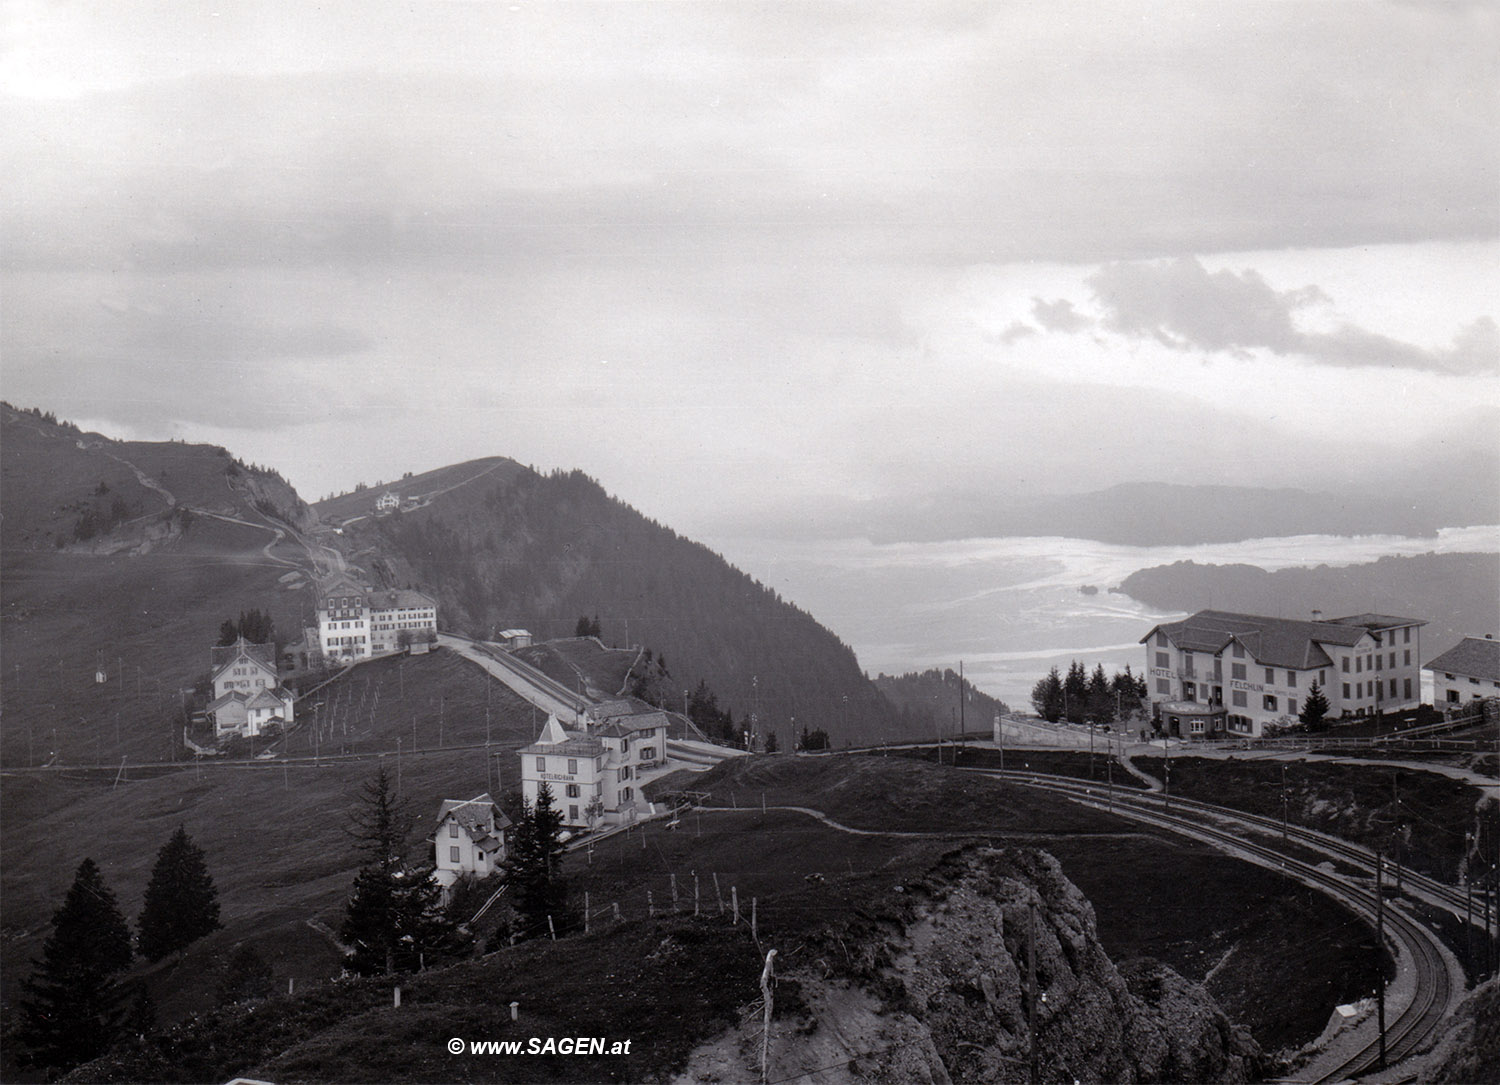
{"x":1427,"y":889}
{"x":1438,"y":984}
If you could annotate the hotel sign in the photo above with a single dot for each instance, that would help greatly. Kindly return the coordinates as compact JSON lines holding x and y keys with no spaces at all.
{"x":1252,"y":687}
{"x":556,"y":776}
{"x":1161,"y":672}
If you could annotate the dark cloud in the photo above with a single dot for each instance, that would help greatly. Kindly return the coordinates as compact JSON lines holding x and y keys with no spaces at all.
{"x":1059,"y":315}
{"x":1180,"y":304}
{"x":1017,"y":331}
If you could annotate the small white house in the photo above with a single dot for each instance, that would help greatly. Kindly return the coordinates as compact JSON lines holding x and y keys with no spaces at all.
{"x":388,"y":501}
{"x":469,"y":840}
{"x":1468,"y":671}
{"x":248,"y":693}
{"x":514,"y":638}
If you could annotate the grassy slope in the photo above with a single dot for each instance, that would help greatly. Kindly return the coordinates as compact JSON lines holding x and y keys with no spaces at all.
{"x":273,"y":836}
{"x":603,"y":670}
{"x":1288,"y":954}
{"x":335,"y":510}
{"x":1361,"y":803}
{"x":670,"y":983}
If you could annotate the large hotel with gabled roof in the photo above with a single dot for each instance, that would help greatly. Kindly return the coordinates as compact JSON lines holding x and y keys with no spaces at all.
{"x":1244,"y":672}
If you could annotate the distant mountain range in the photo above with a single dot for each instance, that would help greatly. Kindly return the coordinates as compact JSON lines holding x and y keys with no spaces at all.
{"x":1456,"y":594}
{"x":1155,"y":513}
{"x":500,"y":545}
{"x":124,"y":558}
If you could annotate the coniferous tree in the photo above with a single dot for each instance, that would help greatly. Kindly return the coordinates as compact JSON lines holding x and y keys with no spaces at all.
{"x":394,"y":918}
{"x":1047,"y":697}
{"x":73,"y":1006}
{"x":534,"y":867}
{"x":1076,"y":692}
{"x":1101,"y":697}
{"x":1314,"y":709}
{"x":182,"y":904}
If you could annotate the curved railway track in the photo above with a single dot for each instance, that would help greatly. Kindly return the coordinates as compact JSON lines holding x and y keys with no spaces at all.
{"x":1437,"y":985}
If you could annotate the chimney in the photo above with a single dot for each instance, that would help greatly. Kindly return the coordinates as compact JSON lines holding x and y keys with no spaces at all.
{"x":1317,"y":615}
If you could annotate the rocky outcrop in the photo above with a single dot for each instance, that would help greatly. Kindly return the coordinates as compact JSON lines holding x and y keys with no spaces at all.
{"x":935,"y":989}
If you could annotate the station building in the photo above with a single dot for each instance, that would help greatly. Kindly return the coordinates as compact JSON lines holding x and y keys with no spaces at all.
{"x":1259,"y":669}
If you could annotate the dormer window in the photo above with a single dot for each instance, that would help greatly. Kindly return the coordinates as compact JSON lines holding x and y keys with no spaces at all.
{"x":452,"y":828}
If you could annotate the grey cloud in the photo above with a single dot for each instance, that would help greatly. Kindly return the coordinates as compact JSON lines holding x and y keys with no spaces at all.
{"x":1180,"y":304}
{"x":1059,"y":315}
{"x":1017,"y":331}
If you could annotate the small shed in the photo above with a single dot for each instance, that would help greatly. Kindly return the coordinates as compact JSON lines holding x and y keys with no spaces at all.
{"x":514,"y":638}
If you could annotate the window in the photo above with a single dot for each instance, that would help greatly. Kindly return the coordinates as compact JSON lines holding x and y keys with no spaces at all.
{"x":1453,"y":696}
{"x":628,"y":794}
{"x":1237,"y":698}
{"x":541,"y":764}
{"x":1393,"y":687}
{"x":1164,"y":686}
{"x":573,"y":812}
{"x":1322,"y":678}
{"x":452,"y":828}
{"x":1163,"y":660}
{"x":1161,"y":640}
{"x":1291,"y":706}
{"x":648,"y":753}
{"x":1359,"y":690}
{"x":1189,"y":691}
{"x":1359,"y":664}
{"x":1269,"y":703}
{"x":1406,"y":658}
{"x":1346,"y":691}
{"x":1393,"y":661}
{"x":1218,"y":669}
{"x":1195,"y":725}
{"x":1291,"y":679}
{"x":453,"y":854}
{"x":573,"y":791}
{"x":1407,"y":691}
{"x":572,"y":765}
{"x":625,"y":772}
{"x":1187,"y":662}
{"x":1345,"y":664}
{"x":1270,"y":676}
{"x":1237,"y":670}
{"x":1406,"y":635}
{"x":1239,"y":650}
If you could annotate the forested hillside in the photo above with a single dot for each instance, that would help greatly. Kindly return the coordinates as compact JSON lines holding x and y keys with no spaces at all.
{"x":517,"y":548}
{"x":929,"y":702}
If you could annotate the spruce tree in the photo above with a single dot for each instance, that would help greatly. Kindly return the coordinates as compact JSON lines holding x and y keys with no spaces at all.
{"x":73,"y":1005}
{"x":370,"y":918}
{"x":1314,"y":709}
{"x":182,"y":904}
{"x":1076,"y":692}
{"x":534,"y":867}
{"x":1047,"y":697}
{"x":1101,"y":697}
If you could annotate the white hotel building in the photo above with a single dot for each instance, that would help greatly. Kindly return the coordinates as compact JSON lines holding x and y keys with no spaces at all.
{"x":1258,"y":669}
{"x":355,"y":622}
{"x":596,"y":774}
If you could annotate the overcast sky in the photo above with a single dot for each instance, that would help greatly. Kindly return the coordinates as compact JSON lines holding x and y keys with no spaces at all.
{"x":736,"y":258}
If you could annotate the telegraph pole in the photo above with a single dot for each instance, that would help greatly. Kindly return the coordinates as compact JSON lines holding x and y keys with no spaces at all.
{"x":962,"y":723}
{"x":1283,"y":801}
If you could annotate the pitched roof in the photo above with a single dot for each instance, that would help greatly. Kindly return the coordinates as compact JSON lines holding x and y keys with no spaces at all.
{"x":473,"y":814}
{"x":231,"y":697}
{"x":223,"y":656}
{"x":399,"y":597}
{"x":1272,"y":642}
{"x":340,"y":584}
{"x":576,"y":745}
{"x":1377,"y":621}
{"x":1472,"y":657}
{"x":627,"y":725}
{"x":267,"y":699}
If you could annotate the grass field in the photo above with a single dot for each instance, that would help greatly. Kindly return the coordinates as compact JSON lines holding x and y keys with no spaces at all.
{"x":1421,"y":816}
{"x":1279,"y":956}
{"x":603,"y":671}
{"x":1075,"y":764}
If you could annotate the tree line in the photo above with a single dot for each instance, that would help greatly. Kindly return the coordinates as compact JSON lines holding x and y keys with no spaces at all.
{"x":1081,"y":697}
{"x":74,"y":1004}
